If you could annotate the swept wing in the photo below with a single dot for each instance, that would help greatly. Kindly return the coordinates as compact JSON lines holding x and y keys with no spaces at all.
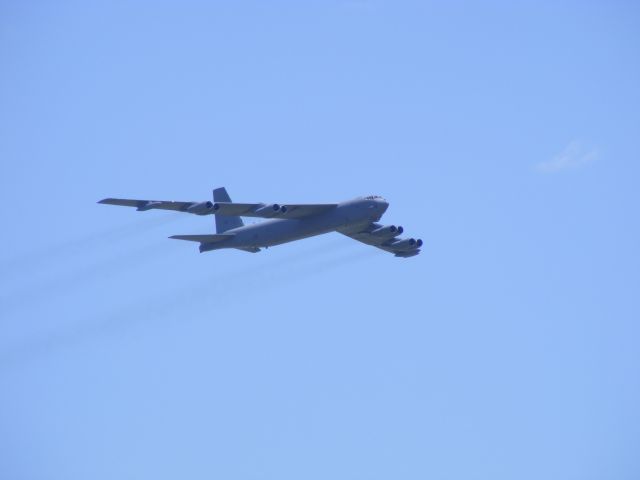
{"x":273,"y":210}
{"x":259,"y":210}
{"x":143,"y":205}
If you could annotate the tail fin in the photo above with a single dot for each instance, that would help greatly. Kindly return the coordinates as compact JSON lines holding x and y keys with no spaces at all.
{"x":225,"y":222}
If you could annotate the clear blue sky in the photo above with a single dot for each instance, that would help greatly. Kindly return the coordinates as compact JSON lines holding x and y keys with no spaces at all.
{"x":503,"y":134}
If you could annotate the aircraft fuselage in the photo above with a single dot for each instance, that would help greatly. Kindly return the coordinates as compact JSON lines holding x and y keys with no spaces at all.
{"x":278,"y":231}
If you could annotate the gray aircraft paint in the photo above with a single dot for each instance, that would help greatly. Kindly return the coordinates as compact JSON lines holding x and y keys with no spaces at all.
{"x":278,"y":231}
{"x":354,"y":218}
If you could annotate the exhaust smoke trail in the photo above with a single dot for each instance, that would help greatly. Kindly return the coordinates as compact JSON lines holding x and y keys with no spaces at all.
{"x":25,"y":262}
{"x":268,"y":276}
{"x":43,"y":289}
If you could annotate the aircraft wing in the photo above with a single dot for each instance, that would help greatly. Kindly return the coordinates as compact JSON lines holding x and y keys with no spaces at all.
{"x":385,"y":238}
{"x":307,"y":210}
{"x":273,"y":210}
{"x":259,"y":210}
{"x":149,"y":204}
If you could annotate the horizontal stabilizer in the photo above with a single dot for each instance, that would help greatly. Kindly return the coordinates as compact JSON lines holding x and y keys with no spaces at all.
{"x":203,"y":238}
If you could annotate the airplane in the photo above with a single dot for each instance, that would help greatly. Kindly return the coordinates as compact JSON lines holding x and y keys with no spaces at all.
{"x":355,"y":218}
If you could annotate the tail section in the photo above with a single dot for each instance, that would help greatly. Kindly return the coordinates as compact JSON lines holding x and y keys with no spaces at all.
{"x":225,"y":222}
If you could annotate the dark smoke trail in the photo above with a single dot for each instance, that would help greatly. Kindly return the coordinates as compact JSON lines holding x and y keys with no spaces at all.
{"x":39,"y":291}
{"x":306,"y":264}
{"x":22,"y":264}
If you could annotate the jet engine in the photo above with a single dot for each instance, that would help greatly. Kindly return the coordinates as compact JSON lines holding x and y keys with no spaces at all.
{"x":406,"y":244}
{"x":202,"y":208}
{"x":270,"y":210}
{"x":388,"y":231}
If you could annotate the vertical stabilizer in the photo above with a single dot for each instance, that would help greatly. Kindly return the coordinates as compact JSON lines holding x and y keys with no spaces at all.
{"x":225,"y":222}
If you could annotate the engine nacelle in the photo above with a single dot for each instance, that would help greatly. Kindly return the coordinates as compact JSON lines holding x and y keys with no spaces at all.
{"x":202,"y":208}
{"x":406,"y":244}
{"x":388,"y":231}
{"x":269,"y":210}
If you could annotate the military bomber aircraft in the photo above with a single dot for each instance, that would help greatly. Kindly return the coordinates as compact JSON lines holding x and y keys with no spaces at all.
{"x":355,"y":218}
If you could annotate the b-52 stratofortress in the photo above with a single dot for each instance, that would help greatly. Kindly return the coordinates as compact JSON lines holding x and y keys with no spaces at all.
{"x":355,"y":218}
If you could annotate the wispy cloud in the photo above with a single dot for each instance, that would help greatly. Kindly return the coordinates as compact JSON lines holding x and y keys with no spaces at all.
{"x":574,"y":155}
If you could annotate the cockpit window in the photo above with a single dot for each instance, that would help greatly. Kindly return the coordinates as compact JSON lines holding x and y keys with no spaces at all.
{"x":373,"y":197}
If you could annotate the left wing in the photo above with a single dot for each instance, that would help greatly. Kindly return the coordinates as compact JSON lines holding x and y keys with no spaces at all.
{"x":272,"y":210}
{"x":385,"y":238}
{"x":259,"y":210}
{"x":143,"y":205}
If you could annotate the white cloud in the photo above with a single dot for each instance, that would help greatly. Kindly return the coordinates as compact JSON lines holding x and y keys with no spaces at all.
{"x":574,"y":155}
